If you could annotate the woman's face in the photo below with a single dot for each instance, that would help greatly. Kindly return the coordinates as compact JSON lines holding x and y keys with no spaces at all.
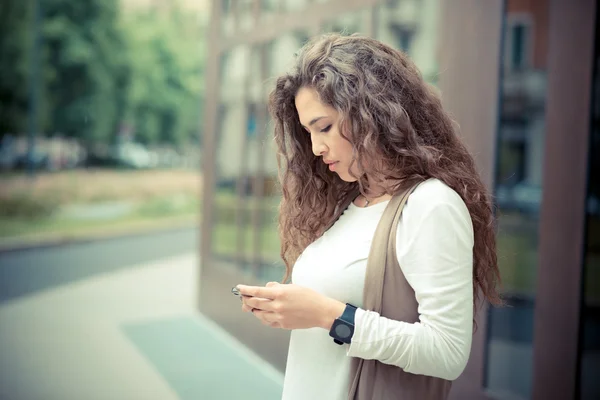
{"x":322,"y":124}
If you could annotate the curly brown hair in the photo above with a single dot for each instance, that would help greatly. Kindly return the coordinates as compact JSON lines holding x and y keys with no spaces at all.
{"x":388,"y":113}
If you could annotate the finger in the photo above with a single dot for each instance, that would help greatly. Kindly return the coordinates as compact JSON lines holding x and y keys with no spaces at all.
{"x":244,"y":298}
{"x":259,"y":291}
{"x":266,"y":316}
{"x":260,"y":303}
{"x":245,"y":308}
{"x":271,"y":284}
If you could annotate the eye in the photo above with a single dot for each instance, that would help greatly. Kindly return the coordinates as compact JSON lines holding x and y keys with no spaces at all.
{"x":326,"y":129}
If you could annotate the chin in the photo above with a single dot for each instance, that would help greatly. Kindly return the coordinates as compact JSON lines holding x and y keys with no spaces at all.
{"x":347,"y":178}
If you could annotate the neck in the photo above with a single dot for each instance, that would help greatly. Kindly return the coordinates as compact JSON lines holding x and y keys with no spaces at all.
{"x":372,"y":197}
{"x":363,"y":201}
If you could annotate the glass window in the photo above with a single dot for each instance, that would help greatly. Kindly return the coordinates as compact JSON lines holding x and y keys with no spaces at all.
{"x":245,"y":13}
{"x":518,"y":195}
{"x":411,"y":26}
{"x":234,"y":70}
{"x":269,"y":5}
{"x":518,"y":45}
{"x":246,"y":197}
{"x":280,"y":53}
{"x":518,"y":40}
{"x":226,"y":6}
{"x":348,"y":23}
{"x":404,"y":37}
{"x":590,"y":308}
{"x":269,"y":11}
{"x":294,"y":5}
{"x":232,"y":134}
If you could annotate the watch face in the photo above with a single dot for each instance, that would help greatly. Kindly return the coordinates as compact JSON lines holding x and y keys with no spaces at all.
{"x":342,"y":331}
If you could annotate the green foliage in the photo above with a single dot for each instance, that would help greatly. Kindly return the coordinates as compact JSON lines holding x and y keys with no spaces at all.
{"x":22,"y":205}
{"x":103,"y":67}
{"x":167,"y":56}
{"x":85,"y":68}
{"x":15,"y":45}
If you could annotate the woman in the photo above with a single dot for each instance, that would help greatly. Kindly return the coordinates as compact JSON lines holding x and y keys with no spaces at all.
{"x":355,"y":115}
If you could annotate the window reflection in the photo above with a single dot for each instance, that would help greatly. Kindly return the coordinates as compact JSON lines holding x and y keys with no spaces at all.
{"x":590,"y":309}
{"x":518,"y":195}
{"x":247,"y":196}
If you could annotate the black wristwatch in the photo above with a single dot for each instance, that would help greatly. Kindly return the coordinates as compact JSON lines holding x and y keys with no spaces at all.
{"x":343,"y":327}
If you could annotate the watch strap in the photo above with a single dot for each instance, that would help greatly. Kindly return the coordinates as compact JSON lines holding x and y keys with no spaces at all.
{"x":347,"y":318}
{"x":349,"y":314}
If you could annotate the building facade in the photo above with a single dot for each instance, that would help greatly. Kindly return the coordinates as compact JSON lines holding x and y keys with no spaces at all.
{"x":519,"y":88}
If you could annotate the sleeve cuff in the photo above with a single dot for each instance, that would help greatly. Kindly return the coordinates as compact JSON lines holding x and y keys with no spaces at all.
{"x":353,"y":349}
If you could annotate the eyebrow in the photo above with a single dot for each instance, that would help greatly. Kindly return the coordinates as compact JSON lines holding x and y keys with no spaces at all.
{"x":314,"y":120}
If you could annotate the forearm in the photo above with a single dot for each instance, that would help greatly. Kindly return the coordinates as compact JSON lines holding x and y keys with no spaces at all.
{"x":416,"y":348}
{"x":331,"y":310}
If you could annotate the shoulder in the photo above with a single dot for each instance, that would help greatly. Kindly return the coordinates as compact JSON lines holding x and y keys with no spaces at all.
{"x":433,"y":192}
{"x":433,"y":199}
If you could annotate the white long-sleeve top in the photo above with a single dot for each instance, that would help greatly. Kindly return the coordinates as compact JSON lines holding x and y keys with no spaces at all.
{"x":434,"y":245}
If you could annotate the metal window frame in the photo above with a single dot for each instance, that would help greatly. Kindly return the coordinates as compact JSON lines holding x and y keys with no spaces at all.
{"x":470,"y":55}
{"x":562,"y":217}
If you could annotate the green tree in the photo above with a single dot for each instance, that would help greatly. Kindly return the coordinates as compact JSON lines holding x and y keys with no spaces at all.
{"x":103,"y":67}
{"x":15,"y":45}
{"x":166,"y":52}
{"x":86,"y":71}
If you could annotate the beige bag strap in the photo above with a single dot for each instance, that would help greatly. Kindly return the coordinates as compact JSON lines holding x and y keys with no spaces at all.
{"x":383,"y":250}
{"x":382,"y":255}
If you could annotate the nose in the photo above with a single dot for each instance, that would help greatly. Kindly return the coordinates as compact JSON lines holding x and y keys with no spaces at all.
{"x":318,"y":147}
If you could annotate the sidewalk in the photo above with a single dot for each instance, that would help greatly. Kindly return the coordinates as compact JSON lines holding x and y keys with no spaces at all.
{"x":132,"y":334}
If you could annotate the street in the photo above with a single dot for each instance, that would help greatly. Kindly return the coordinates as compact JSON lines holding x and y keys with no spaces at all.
{"x":25,"y":272}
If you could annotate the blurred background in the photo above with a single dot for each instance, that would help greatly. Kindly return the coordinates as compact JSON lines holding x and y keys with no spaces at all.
{"x":138,"y":184}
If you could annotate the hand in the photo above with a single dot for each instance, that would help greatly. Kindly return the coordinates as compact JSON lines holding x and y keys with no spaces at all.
{"x":290,"y":306}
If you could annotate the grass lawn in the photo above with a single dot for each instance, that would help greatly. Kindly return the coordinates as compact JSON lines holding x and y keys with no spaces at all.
{"x":225,"y":239}
{"x":23,"y":229}
{"x":35,"y":210}
{"x":226,"y":234}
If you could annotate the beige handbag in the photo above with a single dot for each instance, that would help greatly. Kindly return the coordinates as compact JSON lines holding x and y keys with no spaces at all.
{"x":388,"y":293}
